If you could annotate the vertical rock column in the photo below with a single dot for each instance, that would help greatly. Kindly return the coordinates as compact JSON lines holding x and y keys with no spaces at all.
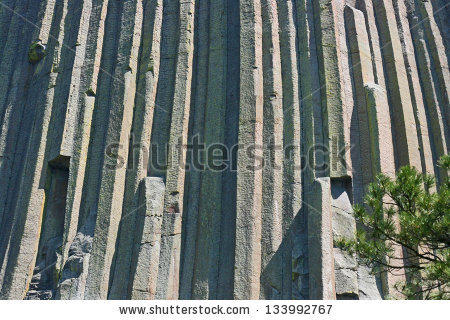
{"x":373,"y":113}
{"x":347,"y":285}
{"x":88,"y":87}
{"x":334,"y":79}
{"x":382,"y":151}
{"x":147,"y":83}
{"x":362,"y":74}
{"x":292,"y":174}
{"x":438,"y":52}
{"x":60,"y":139}
{"x":311,"y":134}
{"x":344,"y":151}
{"x":168,"y":276}
{"x":374,"y":40}
{"x":431,"y":90}
{"x":229,"y":176}
{"x":208,"y":251}
{"x":65,"y":124}
{"x":344,"y":226}
{"x":320,"y":242}
{"x":359,"y":181}
{"x":23,"y":244}
{"x":69,"y":67}
{"x":411,"y":63}
{"x":377,"y":153}
{"x":13,"y":94}
{"x":373,"y":108}
{"x":193,"y":177}
{"x":406,"y":141}
{"x":112,"y":185}
{"x":249,"y":177}
{"x":331,"y":88}
{"x":381,"y":144}
{"x":86,"y":164}
{"x":148,"y":239}
{"x":273,"y":266}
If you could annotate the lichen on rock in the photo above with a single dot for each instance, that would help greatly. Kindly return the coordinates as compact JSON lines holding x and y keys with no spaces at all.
{"x":36,"y":52}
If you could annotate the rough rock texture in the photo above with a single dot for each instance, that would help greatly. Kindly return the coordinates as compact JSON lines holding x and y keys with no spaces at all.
{"x":105,"y":105}
{"x":322,"y":283}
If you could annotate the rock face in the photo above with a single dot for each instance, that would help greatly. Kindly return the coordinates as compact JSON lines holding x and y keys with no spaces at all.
{"x":208,"y":149}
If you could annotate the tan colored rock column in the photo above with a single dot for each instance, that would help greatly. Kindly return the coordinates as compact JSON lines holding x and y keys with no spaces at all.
{"x":331,"y":87}
{"x":381,"y":144}
{"x":438,"y":52}
{"x":431,"y":88}
{"x":249,"y":176}
{"x":362,"y":69}
{"x":382,"y":151}
{"x":377,"y":149}
{"x":374,"y":40}
{"x":406,"y":141}
{"x":311,"y":134}
{"x":320,"y":242}
{"x":70,"y":68}
{"x":411,"y":64}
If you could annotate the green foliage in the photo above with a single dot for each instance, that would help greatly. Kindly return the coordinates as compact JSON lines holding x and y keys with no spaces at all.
{"x":404,"y":213}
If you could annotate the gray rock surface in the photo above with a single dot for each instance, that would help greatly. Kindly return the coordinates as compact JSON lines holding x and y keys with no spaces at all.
{"x":310,"y":99}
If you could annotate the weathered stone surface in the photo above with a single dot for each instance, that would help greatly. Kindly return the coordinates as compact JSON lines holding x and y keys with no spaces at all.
{"x":414,"y":85}
{"x":362,"y":74}
{"x":397,"y":80}
{"x":147,"y":84}
{"x":292,"y":128}
{"x":344,"y":226}
{"x":148,"y":239}
{"x":74,"y":274}
{"x":249,"y":178}
{"x":272,"y":207}
{"x":117,"y":129}
{"x":320,"y":242}
{"x":169,"y":261}
{"x":328,"y":48}
{"x":369,"y":286}
{"x":382,"y":147}
{"x":102,"y":103}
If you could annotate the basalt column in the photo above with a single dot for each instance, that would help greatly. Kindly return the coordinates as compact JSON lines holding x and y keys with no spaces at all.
{"x":208,"y":149}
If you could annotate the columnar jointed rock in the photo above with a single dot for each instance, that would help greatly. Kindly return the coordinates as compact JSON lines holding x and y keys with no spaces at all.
{"x":147,"y":83}
{"x":208,"y":149}
{"x":249,"y":177}
{"x":148,"y":239}
{"x":320,"y":242}
{"x":173,"y":199}
{"x":112,"y":185}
